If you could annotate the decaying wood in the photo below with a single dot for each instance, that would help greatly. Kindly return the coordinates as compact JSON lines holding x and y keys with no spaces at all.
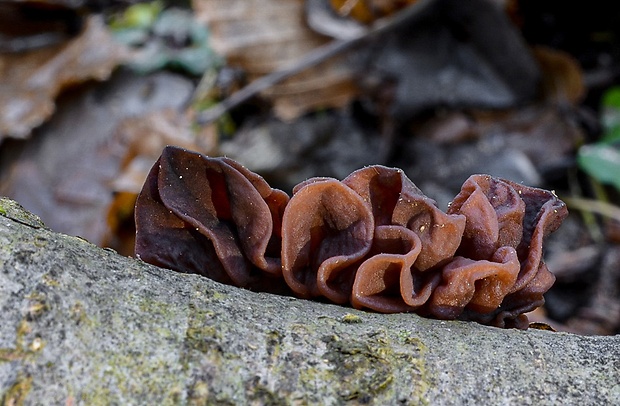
{"x":84,"y":325}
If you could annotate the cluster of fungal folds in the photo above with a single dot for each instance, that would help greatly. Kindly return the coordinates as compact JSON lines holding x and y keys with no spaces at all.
{"x":372,"y":240}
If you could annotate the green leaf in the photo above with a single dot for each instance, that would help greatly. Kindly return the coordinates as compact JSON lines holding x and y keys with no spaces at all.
{"x":131,"y":36}
{"x":611,"y":97}
{"x":602,"y":162}
{"x":611,"y":134}
{"x":610,"y":114}
{"x":141,"y":15}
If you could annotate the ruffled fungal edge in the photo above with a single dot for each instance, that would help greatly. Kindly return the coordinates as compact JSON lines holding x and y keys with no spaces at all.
{"x":373,"y":240}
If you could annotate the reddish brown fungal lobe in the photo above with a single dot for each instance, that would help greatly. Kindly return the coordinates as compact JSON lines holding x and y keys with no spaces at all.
{"x":385,"y":280}
{"x":394,"y":199}
{"x":494,"y":211}
{"x":373,"y":240}
{"x":502,"y":213}
{"x":327,"y":230}
{"x":478,"y":285}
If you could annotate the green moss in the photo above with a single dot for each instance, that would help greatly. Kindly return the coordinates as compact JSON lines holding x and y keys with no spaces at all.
{"x":363,"y":370}
{"x":21,"y":349}
{"x":122,"y":375}
{"x":37,"y":305}
{"x":274,"y":343}
{"x":351,"y":318}
{"x":416,"y":360}
{"x":13,"y":210}
{"x":219,"y":401}
{"x":10,"y":354}
{"x":154,"y":306}
{"x":198,"y":393}
{"x":360,"y":370}
{"x":40,"y":241}
{"x":203,"y":339}
{"x":308,"y":376}
{"x":16,"y":394}
{"x":79,"y":316}
{"x":200,"y":295}
{"x":23,"y":328}
{"x":361,"y":366}
{"x":100,"y":396}
{"x":260,"y":394}
{"x":135,"y":370}
{"x":50,"y":281}
{"x":408,"y":338}
{"x":218,"y":296}
{"x":200,"y":335}
{"x":200,"y":314}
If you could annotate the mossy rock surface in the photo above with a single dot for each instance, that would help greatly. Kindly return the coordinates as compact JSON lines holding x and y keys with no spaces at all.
{"x":85,"y":326}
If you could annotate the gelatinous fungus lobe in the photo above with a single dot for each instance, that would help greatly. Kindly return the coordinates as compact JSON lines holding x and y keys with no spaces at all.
{"x":477,"y":285}
{"x":544,"y":214}
{"x":327,"y":230}
{"x":411,"y":236}
{"x":396,"y":200}
{"x":499,"y":263}
{"x":374,"y":239}
{"x":209,"y":216}
{"x":385,"y":281}
{"x":494,"y":212}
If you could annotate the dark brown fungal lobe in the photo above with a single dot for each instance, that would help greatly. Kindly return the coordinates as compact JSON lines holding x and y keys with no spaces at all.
{"x":210,"y":216}
{"x":373,"y":240}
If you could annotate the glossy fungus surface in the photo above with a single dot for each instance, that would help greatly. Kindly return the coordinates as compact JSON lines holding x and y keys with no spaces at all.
{"x":372,"y":240}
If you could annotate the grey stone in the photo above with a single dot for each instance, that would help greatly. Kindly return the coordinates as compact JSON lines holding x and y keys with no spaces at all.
{"x":83,"y":325}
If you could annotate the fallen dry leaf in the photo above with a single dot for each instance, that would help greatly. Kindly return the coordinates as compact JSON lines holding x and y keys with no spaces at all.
{"x":262,"y":36}
{"x":30,"y":81}
{"x":562,"y":77}
{"x":67,"y":173}
{"x":368,"y":11}
{"x":141,"y":139}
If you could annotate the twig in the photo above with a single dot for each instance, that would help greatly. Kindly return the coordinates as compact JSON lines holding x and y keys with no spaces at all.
{"x":311,"y":59}
{"x":588,"y":218}
{"x":593,"y":206}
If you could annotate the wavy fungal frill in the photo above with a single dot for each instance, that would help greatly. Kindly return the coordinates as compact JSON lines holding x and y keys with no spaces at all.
{"x":373,"y":240}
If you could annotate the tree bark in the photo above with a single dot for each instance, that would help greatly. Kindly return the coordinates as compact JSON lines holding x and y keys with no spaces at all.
{"x":84,"y":325}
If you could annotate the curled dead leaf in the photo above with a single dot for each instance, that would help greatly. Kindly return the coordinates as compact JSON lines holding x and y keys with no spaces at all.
{"x":367,"y":11}
{"x":562,"y":77}
{"x":30,"y":81}
{"x":67,"y":173}
{"x":141,"y":139}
